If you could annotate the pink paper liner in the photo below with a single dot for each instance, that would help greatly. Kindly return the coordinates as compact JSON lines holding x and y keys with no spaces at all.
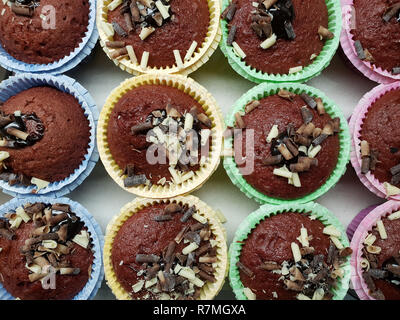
{"x":356,"y":121}
{"x":356,"y":245}
{"x":352,"y":227}
{"x":372,"y":72}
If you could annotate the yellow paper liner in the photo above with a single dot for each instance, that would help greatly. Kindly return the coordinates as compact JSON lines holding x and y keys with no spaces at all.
{"x":196,"y":91}
{"x":201,"y":55}
{"x":210,"y":289}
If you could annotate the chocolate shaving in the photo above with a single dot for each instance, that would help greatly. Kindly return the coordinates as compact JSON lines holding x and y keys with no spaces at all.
{"x":395,"y":169}
{"x":359,"y":49}
{"x":396,"y":70}
{"x":191,"y":258}
{"x":245,"y":269}
{"x":173,"y":207}
{"x":391,"y":12}
{"x":306,"y":115}
{"x":285,"y":94}
{"x":229,"y":12}
{"x":163,"y":217}
{"x":206,"y":276}
{"x":231,"y":35}
{"x":181,"y":233}
{"x":393,"y":269}
{"x":377,"y":273}
{"x":321,"y":138}
{"x":115,"y":44}
{"x":203,"y":249}
{"x":7,"y":234}
{"x":309,"y":100}
{"x":134,"y":11}
{"x":193,"y":237}
{"x":291,"y":146}
{"x":272,"y":160}
{"x":22,"y":10}
{"x":128,"y":22}
{"x":147,"y":258}
{"x":270,"y":266}
{"x":291,"y":35}
{"x":118,"y":29}
{"x":187,"y":214}
{"x":136,"y":180}
{"x":374,"y":159}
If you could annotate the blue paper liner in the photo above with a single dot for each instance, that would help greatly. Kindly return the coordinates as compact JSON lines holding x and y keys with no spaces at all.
{"x":68,"y":62}
{"x":21,"y":82}
{"x":97,"y":239}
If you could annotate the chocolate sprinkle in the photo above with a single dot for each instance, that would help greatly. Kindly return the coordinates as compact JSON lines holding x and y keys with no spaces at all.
{"x":359,"y":50}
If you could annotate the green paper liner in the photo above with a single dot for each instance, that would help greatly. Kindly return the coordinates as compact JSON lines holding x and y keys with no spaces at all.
{"x":266,"y":89}
{"x":265,"y":211}
{"x":308,"y":72}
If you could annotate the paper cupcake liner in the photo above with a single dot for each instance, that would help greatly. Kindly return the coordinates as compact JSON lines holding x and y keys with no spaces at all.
{"x":210,"y":290}
{"x":359,"y":114}
{"x":97,"y":274}
{"x":21,"y":82}
{"x":263,"y":90}
{"x":308,"y":72}
{"x":369,"y":70}
{"x":360,"y":234}
{"x":201,"y":55}
{"x":265,"y":211}
{"x":68,"y":62}
{"x":351,"y":228}
{"x":191,"y":88}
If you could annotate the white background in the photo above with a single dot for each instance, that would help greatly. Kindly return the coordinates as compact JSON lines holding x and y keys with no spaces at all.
{"x":104,"y":198}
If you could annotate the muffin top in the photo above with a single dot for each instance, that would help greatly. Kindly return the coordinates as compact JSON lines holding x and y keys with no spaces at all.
{"x":45,"y":31}
{"x":380,"y":139}
{"x":45,"y":135}
{"x":158,"y":134}
{"x":160,"y":27}
{"x":296,"y":146}
{"x":289,"y":256}
{"x":165,"y":251}
{"x":45,"y":252}
{"x":278,"y":37}
{"x":377,"y":33}
{"x":381,"y":258}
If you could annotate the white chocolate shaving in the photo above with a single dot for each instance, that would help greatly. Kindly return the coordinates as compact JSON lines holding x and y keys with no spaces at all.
{"x":332,"y":231}
{"x":239,"y":52}
{"x":283,"y":172}
{"x":163,"y":9}
{"x":318,"y":294}
{"x":374,"y":249}
{"x":313,"y":151}
{"x":381,"y":230}
{"x":268,"y":43}
{"x":394,"y":215}
{"x":131,"y":54}
{"x":295,"y":251}
{"x":303,"y":238}
{"x":138,"y":286}
{"x":187,"y":176}
{"x":49,"y":244}
{"x":114,"y":4}
{"x":40,"y":184}
{"x":188,"y":122}
{"x":82,"y":239}
{"x":273,"y":133}
{"x":205,"y":135}
{"x":301,"y":296}
{"x":391,"y":190}
{"x":4,"y":155}
{"x":145,"y":32}
{"x":177,"y":179}
{"x":144,"y":60}
{"x":21,"y":212}
{"x":369,"y":239}
{"x":190,"y":248}
{"x":199,"y":218}
{"x":178,"y":59}
{"x":295,"y":69}
{"x":190,"y":51}
{"x":296,"y":180}
{"x":108,"y":29}
{"x":150,"y":283}
{"x":249,"y":294}
{"x":337,"y":242}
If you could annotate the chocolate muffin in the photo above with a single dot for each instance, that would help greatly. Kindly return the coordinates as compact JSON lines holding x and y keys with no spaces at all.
{"x":164,"y":251}
{"x":277,"y":36}
{"x":158,"y":134}
{"x":377,"y":33}
{"x":290,"y":256}
{"x":380,"y":139}
{"x":45,"y":252}
{"x":28,"y":36}
{"x":381,"y":258}
{"x":158,"y":28}
{"x":296,"y":144}
{"x":45,"y":136}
